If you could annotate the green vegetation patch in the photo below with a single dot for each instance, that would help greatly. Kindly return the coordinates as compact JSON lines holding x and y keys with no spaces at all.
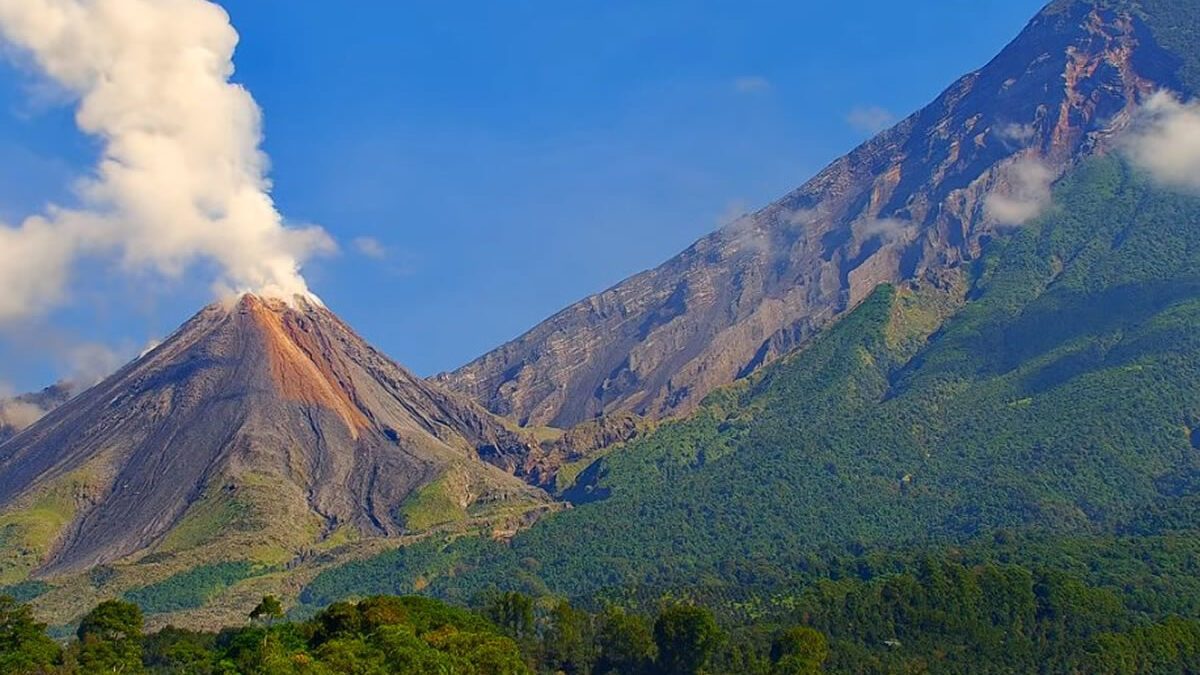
{"x":438,"y":503}
{"x":26,"y":590}
{"x":28,"y":534}
{"x":206,"y":521}
{"x":190,"y":589}
{"x":398,"y":572}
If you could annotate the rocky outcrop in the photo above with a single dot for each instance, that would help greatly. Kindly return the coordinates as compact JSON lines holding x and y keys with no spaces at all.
{"x":910,"y":202}
{"x":259,"y":397}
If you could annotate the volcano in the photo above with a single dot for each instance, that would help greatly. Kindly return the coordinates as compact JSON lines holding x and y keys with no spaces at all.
{"x":262,"y":419}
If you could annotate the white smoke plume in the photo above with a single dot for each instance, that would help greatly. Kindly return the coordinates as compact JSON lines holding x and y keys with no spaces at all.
{"x":1165,"y":141}
{"x":181,"y":178}
{"x":1026,"y":193}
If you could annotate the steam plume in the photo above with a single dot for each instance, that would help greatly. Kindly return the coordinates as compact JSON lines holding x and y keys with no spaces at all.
{"x":180,"y":179}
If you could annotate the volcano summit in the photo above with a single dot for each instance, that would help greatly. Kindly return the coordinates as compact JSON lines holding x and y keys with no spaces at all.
{"x":260,"y":426}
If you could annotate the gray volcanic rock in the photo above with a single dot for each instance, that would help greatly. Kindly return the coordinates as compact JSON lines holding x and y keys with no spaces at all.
{"x":264,"y":394}
{"x":907,"y":204}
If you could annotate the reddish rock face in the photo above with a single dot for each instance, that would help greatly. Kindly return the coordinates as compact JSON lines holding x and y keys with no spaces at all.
{"x":907,"y":204}
{"x":279,"y":393}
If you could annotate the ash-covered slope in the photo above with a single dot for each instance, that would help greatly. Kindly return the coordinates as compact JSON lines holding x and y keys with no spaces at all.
{"x":907,"y":204}
{"x":256,"y":405}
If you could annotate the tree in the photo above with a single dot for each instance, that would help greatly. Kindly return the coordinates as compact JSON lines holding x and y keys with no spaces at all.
{"x":625,"y":643}
{"x":513,"y":614}
{"x":110,"y":638}
{"x":341,"y":619}
{"x":686,"y":639}
{"x":24,"y":645}
{"x":268,"y":610}
{"x":569,"y":640}
{"x":178,"y":650}
{"x":799,"y":651}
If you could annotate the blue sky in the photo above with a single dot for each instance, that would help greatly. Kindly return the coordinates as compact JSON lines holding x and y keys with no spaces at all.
{"x":507,"y":158}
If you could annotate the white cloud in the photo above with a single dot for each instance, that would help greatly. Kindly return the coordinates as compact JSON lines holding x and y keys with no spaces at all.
{"x":751,"y":84}
{"x":803,"y":218}
{"x":735,"y":213}
{"x":1165,"y":141}
{"x":181,"y":178}
{"x":150,"y":346}
{"x":19,"y":415}
{"x":91,"y":362}
{"x":871,"y":119}
{"x":370,"y":247}
{"x":886,"y":229}
{"x":1024,"y":193}
{"x":1017,"y":133}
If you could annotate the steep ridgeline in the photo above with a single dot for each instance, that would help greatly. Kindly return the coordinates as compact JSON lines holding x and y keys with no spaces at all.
{"x":907,"y":204}
{"x":1051,"y":390}
{"x":258,"y":430}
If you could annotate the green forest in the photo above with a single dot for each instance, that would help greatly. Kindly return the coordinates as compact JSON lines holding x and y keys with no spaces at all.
{"x":939,"y":615}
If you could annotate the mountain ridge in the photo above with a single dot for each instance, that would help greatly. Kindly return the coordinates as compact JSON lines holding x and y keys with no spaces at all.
{"x":1049,"y":391}
{"x":907,"y":203}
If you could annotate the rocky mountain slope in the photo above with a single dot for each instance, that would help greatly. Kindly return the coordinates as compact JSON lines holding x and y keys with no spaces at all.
{"x":257,"y":431}
{"x":908,"y":204}
{"x":1052,"y":390}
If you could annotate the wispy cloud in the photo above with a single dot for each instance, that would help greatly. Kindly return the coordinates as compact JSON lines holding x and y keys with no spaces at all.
{"x":91,"y":362}
{"x":20,"y":415}
{"x":370,"y":247}
{"x":1016,"y":133}
{"x":871,"y":119}
{"x":802,"y":218}
{"x":886,"y":229}
{"x":1165,"y":141}
{"x":1023,"y":195}
{"x":751,"y":84}
{"x":16,"y":414}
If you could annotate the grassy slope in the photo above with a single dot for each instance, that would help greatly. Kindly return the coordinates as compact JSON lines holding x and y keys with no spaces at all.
{"x":1059,"y":400}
